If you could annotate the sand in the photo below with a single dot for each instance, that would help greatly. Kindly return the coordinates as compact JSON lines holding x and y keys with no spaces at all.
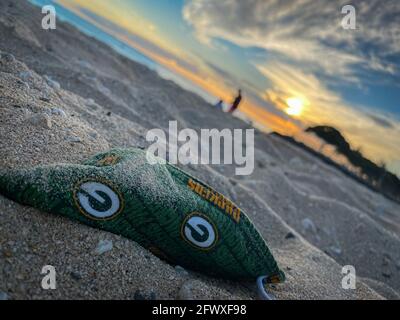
{"x":65,"y":96}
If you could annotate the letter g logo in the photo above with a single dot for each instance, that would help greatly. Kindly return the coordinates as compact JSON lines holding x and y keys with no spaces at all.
{"x":97,"y":200}
{"x":199,"y":231}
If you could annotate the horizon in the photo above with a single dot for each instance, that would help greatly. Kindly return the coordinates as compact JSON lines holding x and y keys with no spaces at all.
{"x":297,"y":67}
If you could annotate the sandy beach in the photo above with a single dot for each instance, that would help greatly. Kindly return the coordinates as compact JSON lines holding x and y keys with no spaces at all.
{"x":65,"y":96}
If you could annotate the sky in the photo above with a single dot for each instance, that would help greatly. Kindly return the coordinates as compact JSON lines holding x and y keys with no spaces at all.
{"x":295,"y":62}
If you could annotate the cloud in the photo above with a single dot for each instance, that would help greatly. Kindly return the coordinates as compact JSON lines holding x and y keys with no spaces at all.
{"x":381,"y":121}
{"x":305,"y":31}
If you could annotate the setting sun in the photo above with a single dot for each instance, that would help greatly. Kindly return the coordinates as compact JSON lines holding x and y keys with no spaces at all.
{"x":295,"y":106}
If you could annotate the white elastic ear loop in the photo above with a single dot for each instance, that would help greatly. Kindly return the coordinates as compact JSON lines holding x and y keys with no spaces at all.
{"x":262,"y":292}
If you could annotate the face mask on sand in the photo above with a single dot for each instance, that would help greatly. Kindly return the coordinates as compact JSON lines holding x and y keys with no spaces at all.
{"x":174,"y":215}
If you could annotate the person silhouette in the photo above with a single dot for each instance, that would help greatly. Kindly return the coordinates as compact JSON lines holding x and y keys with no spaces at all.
{"x":220,"y":104}
{"x":236,"y":102}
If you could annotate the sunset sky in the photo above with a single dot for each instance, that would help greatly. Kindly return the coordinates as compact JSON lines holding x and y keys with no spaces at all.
{"x":295,"y":63}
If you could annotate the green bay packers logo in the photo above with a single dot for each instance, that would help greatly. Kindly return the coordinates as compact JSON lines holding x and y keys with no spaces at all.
{"x":199,"y":231}
{"x":98,"y":200}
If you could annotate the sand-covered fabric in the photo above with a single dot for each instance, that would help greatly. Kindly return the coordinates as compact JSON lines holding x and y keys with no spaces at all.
{"x":156,"y":205}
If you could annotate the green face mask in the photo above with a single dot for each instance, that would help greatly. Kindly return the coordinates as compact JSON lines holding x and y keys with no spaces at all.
{"x":174,"y":215}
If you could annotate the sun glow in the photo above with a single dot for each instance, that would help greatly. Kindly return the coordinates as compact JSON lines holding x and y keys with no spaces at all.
{"x":295,"y":106}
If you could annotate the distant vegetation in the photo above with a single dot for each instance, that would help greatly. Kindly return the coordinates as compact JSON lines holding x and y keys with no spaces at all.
{"x":376,"y":175}
{"x":372,"y":175}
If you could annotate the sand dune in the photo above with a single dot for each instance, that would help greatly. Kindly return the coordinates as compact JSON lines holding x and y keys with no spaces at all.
{"x":65,"y":96}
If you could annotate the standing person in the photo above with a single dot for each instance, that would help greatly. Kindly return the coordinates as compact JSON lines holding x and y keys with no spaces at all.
{"x":236,"y":102}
